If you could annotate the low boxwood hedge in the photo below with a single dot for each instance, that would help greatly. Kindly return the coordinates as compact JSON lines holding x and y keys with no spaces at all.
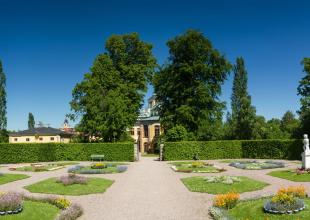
{"x":204,"y":150}
{"x":37,"y":152}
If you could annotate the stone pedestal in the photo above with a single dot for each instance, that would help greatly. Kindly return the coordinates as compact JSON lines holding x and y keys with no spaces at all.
{"x":305,"y":160}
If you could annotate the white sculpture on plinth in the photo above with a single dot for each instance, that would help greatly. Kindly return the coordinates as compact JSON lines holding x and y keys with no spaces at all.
{"x":306,"y":154}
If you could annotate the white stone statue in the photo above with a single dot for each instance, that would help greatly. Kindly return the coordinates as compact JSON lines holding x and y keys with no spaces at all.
{"x":306,"y":143}
{"x":306,"y":154}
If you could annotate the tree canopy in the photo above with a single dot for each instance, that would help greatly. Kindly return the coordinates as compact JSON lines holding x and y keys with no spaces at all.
{"x":3,"y":118}
{"x":189,"y":84}
{"x":304,"y":91}
{"x":31,"y":121}
{"x":243,"y":113}
{"x":109,"y":97}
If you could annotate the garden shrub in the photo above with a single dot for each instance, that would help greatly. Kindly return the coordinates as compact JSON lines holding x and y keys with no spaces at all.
{"x":206,"y":150}
{"x":71,"y":179}
{"x":41,"y":152}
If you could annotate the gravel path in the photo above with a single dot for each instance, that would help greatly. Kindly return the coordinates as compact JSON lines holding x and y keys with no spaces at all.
{"x":151,"y":190}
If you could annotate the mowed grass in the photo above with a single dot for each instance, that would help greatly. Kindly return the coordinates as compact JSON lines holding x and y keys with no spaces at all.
{"x":34,"y":211}
{"x":50,"y":186}
{"x":6,"y":178}
{"x":291,"y":175}
{"x":253,"y":210}
{"x":198,"y":184}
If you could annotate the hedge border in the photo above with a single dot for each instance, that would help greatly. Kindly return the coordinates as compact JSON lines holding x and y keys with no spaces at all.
{"x":37,"y":152}
{"x":233,"y":149}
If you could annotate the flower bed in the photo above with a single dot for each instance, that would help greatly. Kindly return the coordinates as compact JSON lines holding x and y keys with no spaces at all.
{"x":288,"y":203}
{"x":72,"y":179}
{"x":257,"y":165}
{"x":10,"y":203}
{"x":99,"y":168}
{"x":39,"y":167}
{"x":70,"y":211}
{"x":46,"y":207}
{"x":195,"y":167}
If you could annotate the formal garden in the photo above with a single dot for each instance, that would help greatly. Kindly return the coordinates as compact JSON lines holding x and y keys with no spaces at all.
{"x":66,"y":170}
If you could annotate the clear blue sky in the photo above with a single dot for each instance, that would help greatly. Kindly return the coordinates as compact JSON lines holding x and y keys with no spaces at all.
{"x":47,"y":46}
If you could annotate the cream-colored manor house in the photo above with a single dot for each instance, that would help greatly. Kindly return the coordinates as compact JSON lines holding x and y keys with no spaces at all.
{"x":147,"y":128}
{"x":42,"y":135}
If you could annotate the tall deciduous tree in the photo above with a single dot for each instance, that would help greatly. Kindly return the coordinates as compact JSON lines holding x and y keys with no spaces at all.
{"x":109,"y":97}
{"x":304,"y":91}
{"x":289,"y":124}
{"x":31,"y":122}
{"x":3,"y":118}
{"x":243,"y":113}
{"x":189,"y":85}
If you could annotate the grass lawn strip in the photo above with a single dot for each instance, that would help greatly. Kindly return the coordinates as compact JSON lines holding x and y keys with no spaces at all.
{"x":291,"y":175}
{"x":50,"y":186}
{"x":198,"y":184}
{"x":6,"y":178}
{"x":34,"y":211}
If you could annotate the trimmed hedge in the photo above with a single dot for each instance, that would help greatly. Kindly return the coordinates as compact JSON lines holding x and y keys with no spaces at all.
{"x":206,"y":150}
{"x":37,"y":152}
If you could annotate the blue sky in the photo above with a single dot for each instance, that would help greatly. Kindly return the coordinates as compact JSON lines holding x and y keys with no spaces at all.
{"x":47,"y":46}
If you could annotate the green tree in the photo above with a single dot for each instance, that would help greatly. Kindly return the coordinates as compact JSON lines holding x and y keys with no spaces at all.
{"x":177,"y":133}
{"x":289,"y":124}
{"x":31,"y":121}
{"x":304,"y":91}
{"x":273,"y":130}
{"x":260,"y":127}
{"x":3,"y":118}
{"x":243,"y":113}
{"x":109,"y":97}
{"x":189,"y":84}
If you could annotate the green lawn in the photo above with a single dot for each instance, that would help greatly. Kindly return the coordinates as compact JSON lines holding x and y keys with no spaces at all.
{"x":291,"y":175}
{"x":50,"y":186}
{"x":34,"y":211}
{"x":6,"y":178}
{"x":253,"y":210}
{"x":198,"y":184}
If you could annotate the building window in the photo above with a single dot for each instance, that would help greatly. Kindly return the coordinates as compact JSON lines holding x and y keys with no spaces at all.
{"x":132,"y":131}
{"x":27,"y":139}
{"x":138,"y":131}
{"x":15,"y":139}
{"x":41,"y":139}
{"x":157,"y":130}
{"x":146,"y":131}
{"x":52,"y":138}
